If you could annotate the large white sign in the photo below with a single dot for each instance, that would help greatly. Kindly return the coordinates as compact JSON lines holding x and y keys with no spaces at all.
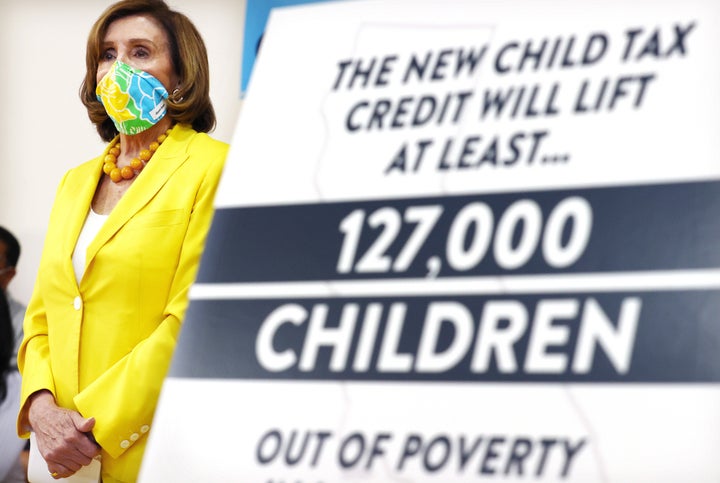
{"x":459,"y":241}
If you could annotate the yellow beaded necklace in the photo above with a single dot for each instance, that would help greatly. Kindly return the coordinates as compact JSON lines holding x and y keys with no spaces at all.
{"x":136,"y":164}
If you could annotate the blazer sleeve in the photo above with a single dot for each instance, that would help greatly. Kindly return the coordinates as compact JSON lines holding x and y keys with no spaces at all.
{"x":123,"y":398}
{"x":34,"y":353}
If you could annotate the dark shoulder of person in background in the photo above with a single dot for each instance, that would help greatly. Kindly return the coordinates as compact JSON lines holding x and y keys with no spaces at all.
{"x":6,"y":344}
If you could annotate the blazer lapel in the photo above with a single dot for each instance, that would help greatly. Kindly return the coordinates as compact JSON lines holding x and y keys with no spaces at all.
{"x":166,"y":160}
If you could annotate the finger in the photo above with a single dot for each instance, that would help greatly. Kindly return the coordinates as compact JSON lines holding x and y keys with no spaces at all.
{"x":81,"y":424}
{"x":58,"y":471}
{"x":71,"y":457}
{"x":88,"y":448}
{"x":66,"y":452}
{"x":76,"y":461}
{"x":69,"y":461}
{"x":85,"y":444}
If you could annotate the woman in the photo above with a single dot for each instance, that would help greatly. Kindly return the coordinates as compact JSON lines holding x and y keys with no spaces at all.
{"x":123,"y":244}
{"x":11,"y":467}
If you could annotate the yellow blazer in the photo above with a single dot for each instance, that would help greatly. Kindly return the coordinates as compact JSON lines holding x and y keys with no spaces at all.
{"x":103,"y":347}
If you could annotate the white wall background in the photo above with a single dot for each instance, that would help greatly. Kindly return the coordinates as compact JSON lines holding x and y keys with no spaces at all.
{"x":44,"y":129}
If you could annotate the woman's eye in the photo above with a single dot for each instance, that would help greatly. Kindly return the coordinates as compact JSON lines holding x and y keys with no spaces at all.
{"x":142,"y":53}
{"x":107,"y":55}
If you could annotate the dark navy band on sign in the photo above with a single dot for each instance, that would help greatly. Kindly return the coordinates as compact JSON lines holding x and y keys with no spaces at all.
{"x":303,"y":242}
{"x":634,"y":337}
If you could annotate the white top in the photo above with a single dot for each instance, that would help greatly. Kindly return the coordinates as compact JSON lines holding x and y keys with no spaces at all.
{"x":11,"y":470}
{"x":92,"y":226}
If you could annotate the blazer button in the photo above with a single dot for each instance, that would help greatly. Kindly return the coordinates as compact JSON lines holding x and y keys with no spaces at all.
{"x":125,"y":444}
{"x":77,"y":303}
{"x":134,"y":437}
{"x":144,"y":429}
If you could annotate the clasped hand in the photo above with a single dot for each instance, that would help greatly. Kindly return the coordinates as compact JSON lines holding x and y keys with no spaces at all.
{"x":63,"y":436}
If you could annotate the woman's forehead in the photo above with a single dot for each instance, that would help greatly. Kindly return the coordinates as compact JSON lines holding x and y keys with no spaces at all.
{"x":135,"y":27}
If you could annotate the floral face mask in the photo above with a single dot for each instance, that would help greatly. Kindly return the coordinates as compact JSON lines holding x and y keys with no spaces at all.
{"x":134,"y":99}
